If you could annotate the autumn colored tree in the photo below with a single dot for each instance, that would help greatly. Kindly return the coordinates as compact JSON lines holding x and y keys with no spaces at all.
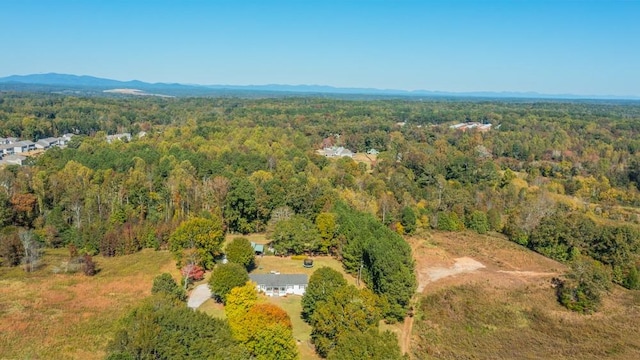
{"x":239,"y":300}
{"x":11,"y":250}
{"x":327,"y":227}
{"x":89,"y":266}
{"x":203,"y":235}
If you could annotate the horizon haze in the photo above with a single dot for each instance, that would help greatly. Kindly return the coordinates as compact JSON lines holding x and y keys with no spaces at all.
{"x":582,"y":48}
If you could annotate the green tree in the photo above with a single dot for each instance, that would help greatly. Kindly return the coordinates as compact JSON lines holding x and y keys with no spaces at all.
{"x":478,"y":222}
{"x":226,"y":277}
{"x":164,"y":329}
{"x":165,"y":284}
{"x":241,"y":210}
{"x":449,"y":221}
{"x":295,"y":236}
{"x":408,"y":220}
{"x":582,"y":289}
{"x":323,"y":283}
{"x":205,"y":236}
{"x":349,"y":310}
{"x":240,"y":251}
{"x":370,"y":344}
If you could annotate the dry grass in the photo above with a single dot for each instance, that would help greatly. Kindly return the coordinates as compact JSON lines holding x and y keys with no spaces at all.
{"x":368,"y":159}
{"x":258,"y":238}
{"x":71,"y":316}
{"x":508,"y":310}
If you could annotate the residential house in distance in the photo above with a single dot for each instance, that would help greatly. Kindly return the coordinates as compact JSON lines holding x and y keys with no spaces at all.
{"x":336,"y":151}
{"x":47,"y":143}
{"x":373,"y":152}
{"x":64,"y":140}
{"x":23,"y":146}
{"x":14,"y":159}
{"x":280,"y":284}
{"x":6,"y":149}
{"x":9,"y":140}
{"x":121,"y":137}
{"x":471,"y":125}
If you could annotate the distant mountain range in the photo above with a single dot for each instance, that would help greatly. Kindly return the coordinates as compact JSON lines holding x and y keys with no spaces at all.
{"x":65,"y":83}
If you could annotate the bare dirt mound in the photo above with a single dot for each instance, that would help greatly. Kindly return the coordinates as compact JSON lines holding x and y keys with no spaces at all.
{"x":461,"y":265}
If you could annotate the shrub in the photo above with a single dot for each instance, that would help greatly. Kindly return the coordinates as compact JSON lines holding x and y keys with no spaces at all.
{"x":449,"y":221}
{"x":478,"y":222}
{"x":582,"y":290}
{"x":89,"y":266}
{"x":165,"y":284}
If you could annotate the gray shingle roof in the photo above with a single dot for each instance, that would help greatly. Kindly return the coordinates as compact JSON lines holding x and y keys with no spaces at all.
{"x":279,"y":279}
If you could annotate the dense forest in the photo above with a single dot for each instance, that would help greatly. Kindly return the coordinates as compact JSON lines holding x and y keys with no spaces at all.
{"x":561,"y":178}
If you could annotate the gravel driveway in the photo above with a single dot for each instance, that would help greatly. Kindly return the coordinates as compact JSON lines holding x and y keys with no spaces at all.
{"x":198,"y":296}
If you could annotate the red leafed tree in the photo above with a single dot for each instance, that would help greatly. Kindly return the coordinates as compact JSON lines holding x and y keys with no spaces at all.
{"x":193,"y":272}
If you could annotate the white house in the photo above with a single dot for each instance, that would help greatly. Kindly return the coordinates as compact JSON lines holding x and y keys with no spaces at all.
{"x":335,"y":151}
{"x":121,"y":137}
{"x":64,"y":139}
{"x":280,"y":284}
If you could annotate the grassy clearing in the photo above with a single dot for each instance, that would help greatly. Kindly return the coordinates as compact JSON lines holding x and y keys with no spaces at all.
{"x":504,"y":312}
{"x":71,"y":316}
{"x":286,"y":265}
{"x":474,"y":321}
{"x":212,"y":308}
{"x":301,"y":330}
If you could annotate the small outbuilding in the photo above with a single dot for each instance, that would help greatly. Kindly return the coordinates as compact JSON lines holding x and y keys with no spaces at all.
{"x":258,"y":249}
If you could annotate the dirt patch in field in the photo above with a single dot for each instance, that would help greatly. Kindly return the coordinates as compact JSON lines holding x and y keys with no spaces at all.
{"x":445,"y":259}
{"x":461,"y":265}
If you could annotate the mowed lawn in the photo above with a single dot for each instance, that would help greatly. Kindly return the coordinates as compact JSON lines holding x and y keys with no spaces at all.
{"x":71,"y":316}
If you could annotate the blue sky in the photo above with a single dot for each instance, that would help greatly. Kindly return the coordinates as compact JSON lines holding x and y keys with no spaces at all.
{"x":583,"y":47}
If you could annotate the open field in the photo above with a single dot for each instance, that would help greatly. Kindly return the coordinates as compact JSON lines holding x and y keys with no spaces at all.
{"x":71,"y":316}
{"x":508,"y":309}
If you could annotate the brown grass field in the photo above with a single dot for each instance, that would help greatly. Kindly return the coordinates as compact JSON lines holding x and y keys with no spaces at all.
{"x":71,"y":316}
{"x":508,"y":309}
